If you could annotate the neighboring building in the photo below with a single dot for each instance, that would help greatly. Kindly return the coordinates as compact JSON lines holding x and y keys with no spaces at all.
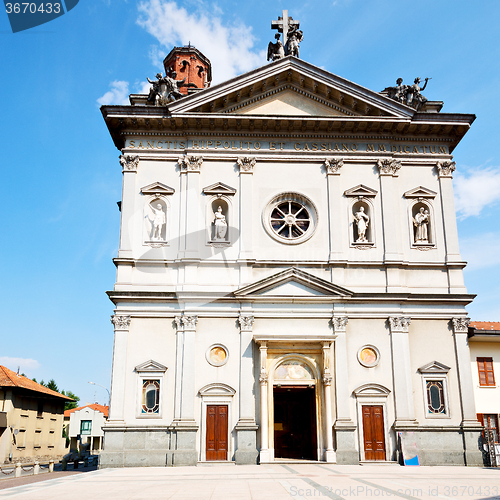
{"x":484,"y":345}
{"x":84,"y":426}
{"x":31,"y":420}
{"x":289,"y":282}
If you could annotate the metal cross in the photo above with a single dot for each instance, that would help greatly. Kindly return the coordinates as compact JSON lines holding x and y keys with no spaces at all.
{"x":284,"y":22}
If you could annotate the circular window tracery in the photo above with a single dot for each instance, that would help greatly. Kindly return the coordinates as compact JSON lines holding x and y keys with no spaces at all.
{"x":290,"y":218}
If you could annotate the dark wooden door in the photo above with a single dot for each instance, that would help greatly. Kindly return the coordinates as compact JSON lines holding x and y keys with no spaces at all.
{"x":373,"y":432}
{"x":217,"y":432}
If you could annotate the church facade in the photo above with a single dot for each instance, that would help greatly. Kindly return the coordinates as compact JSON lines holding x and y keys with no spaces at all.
{"x":289,"y":283}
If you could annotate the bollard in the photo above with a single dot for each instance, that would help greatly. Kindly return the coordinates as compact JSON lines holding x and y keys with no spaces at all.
{"x":36,"y":468}
{"x":18,"y":470}
{"x":64,"y":464}
{"x":51,"y":466}
{"x":86,"y":462}
{"x":75,"y":464}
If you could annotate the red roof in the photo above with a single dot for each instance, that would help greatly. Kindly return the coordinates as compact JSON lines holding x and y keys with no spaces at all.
{"x":8,"y":378}
{"x":485,"y":325}
{"x":95,"y":407}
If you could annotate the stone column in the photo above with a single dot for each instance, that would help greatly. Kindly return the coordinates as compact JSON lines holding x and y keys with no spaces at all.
{"x":336,"y":219}
{"x":184,"y":423}
{"x":393,"y":254}
{"x":265,"y":455}
{"x":129,"y":169}
{"x":471,"y":427}
{"x":247,"y":165}
{"x":119,"y":370}
{"x":345,"y":428}
{"x":191,"y":166}
{"x":246,"y":428}
{"x":327,"y":390}
{"x":401,"y":371}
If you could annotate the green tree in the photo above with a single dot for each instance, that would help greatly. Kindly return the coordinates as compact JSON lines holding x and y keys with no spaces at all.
{"x":52,"y":385}
{"x":69,"y":405}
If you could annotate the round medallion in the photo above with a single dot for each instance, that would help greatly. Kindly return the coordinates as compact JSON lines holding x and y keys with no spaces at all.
{"x":217,"y":355}
{"x":369,"y":356}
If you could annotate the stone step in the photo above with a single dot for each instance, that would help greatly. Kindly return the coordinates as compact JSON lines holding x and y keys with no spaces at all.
{"x":211,"y":463}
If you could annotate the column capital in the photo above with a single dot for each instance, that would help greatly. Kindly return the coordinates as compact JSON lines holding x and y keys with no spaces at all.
{"x":388,"y":166}
{"x":129,"y":163}
{"x":460,"y":325}
{"x":189,"y":321}
{"x":333,"y":165}
{"x":399,"y":324}
{"x":246,"y":322}
{"x":121,"y":322}
{"x":246,"y":164}
{"x":190,"y":163}
{"x":445,"y":168}
{"x":339,"y":323}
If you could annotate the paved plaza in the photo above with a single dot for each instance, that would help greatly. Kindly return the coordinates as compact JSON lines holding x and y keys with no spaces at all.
{"x":274,"y":482}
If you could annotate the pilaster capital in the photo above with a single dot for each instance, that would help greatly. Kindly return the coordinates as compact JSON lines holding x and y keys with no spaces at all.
{"x":399,"y":324}
{"x":189,"y":321}
{"x":339,"y":323}
{"x":333,"y":165}
{"x":460,"y":325}
{"x":445,"y":168}
{"x":327,"y":378}
{"x":129,"y":163}
{"x":246,"y":164}
{"x":178,"y":322}
{"x":388,"y":166}
{"x":246,"y":322}
{"x":190,"y":163}
{"x":121,"y":322}
{"x":263,"y":378}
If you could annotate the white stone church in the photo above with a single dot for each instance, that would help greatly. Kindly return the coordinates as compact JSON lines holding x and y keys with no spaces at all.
{"x":289,"y":282}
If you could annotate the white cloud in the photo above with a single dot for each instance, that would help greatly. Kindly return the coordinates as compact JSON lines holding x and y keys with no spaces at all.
{"x":24,"y":364}
{"x":117,"y":95}
{"x":476,"y":190}
{"x":481,"y":251}
{"x":230,"y":47}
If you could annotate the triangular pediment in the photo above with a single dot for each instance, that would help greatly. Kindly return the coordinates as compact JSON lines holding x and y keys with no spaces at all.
{"x":157,"y":188}
{"x":292,"y":283}
{"x":219,"y":188}
{"x":150,"y":366}
{"x":291,"y":87}
{"x":361,"y":190}
{"x":434,"y":367}
{"x":420,"y":192}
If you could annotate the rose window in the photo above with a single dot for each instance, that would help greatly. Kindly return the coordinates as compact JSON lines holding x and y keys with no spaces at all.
{"x":290,"y":218}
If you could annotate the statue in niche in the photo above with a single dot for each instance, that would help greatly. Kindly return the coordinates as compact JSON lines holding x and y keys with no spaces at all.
{"x":158,"y":222}
{"x":421,"y":222}
{"x":275,"y":51}
{"x":362,"y":220}
{"x":220,"y":225}
{"x":295,"y":36}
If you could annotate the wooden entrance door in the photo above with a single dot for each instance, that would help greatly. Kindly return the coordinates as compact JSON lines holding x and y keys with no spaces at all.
{"x":217,"y":432}
{"x":373,"y":432}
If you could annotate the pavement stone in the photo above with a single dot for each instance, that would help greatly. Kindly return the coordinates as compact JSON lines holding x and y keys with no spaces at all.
{"x":272,"y":481}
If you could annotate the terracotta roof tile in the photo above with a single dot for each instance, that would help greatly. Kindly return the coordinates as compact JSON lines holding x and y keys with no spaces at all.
{"x":8,"y":378}
{"x":485,"y":325}
{"x":96,"y":407}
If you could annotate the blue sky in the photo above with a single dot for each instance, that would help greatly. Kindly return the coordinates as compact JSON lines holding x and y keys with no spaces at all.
{"x":61,"y":176}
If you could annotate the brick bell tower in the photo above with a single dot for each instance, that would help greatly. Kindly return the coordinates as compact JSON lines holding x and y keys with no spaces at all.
{"x":188,"y":62}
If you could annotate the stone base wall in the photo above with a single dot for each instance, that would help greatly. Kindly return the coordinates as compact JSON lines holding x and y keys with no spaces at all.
{"x":148,"y":448}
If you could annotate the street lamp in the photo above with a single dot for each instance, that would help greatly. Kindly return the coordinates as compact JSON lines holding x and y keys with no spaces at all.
{"x":109,"y":396}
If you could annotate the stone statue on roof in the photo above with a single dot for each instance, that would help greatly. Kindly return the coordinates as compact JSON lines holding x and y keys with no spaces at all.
{"x":292,"y":36}
{"x":165,"y":89}
{"x":275,"y":51}
{"x":408,"y":94}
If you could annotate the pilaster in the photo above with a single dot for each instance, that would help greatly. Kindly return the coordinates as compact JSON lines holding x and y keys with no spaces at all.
{"x":121,"y":324}
{"x":336,"y":222}
{"x":127,"y":208}
{"x":327,"y":390}
{"x":401,"y":370}
{"x":246,"y":165}
{"x":246,"y":428}
{"x":264,"y":415}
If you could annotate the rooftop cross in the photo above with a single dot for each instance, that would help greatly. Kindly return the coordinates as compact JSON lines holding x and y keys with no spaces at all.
{"x":285,"y":21}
